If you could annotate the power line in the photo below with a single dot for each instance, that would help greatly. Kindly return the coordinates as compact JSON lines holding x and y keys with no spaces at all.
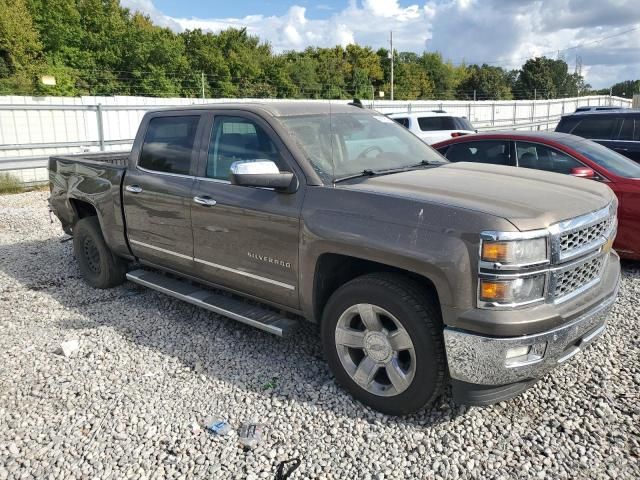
{"x":580,"y":45}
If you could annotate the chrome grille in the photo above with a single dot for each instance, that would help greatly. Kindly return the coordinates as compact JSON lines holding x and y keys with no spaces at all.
{"x":568,"y":281}
{"x":584,"y":236}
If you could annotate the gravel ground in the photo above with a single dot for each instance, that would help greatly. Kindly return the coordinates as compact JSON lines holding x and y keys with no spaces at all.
{"x":149,"y":366}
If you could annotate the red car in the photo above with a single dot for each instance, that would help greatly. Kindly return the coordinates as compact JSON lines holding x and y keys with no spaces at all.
{"x":561,"y":153}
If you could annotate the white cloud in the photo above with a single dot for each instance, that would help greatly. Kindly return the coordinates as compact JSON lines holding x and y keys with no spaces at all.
{"x":503,"y":32}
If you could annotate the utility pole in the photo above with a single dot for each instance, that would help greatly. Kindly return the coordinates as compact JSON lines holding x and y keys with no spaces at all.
{"x":202,"y":82}
{"x":535,"y":94}
{"x":391,"y":40}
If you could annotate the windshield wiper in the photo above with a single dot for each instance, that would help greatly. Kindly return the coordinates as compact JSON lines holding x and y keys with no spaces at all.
{"x":370,"y":173}
{"x":364,"y":173}
{"x":428,"y":163}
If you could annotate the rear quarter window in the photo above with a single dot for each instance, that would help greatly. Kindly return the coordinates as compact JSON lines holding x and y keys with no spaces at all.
{"x":402,"y":121}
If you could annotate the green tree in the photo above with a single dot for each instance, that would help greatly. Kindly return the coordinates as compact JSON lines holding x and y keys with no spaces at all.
{"x":155,"y":60}
{"x":535,"y":79}
{"x":543,"y":77}
{"x":488,"y":83}
{"x":204,"y":56}
{"x":446,"y":78}
{"x":412,"y":83}
{"x":363,"y":66}
{"x":20,"y":48}
{"x":626,"y":89}
{"x":301,"y":69}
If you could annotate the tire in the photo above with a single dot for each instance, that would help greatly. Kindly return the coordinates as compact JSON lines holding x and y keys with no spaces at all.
{"x":395,"y":375}
{"x":99,"y":267}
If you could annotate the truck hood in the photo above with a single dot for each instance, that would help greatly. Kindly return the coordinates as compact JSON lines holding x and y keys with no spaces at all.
{"x":530,"y":199}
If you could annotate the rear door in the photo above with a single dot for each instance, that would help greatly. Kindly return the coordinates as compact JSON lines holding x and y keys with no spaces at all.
{"x":246,"y":238}
{"x":627,"y":142}
{"x":601,"y":128}
{"x":157,"y":191}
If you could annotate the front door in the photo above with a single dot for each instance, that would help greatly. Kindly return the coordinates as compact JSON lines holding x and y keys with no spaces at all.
{"x":157,"y":192}
{"x":246,"y":238}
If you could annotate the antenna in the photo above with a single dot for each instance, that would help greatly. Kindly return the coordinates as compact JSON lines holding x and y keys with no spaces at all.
{"x":392,"y":60}
{"x":333,"y":157}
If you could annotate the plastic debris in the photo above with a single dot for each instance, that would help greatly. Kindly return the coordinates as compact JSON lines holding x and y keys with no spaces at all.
{"x":217,"y":426}
{"x":195,"y":428}
{"x":68,"y":347}
{"x":282,"y":474}
{"x":250,"y":434}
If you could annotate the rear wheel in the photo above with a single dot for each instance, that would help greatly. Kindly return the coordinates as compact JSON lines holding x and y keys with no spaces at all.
{"x":98,"y":265}
{"x":382,"y":337}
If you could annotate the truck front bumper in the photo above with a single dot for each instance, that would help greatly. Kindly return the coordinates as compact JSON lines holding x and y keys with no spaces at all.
{"x":487,"y":369}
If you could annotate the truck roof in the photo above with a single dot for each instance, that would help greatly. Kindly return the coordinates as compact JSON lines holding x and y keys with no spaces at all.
{"x":276,"y":108}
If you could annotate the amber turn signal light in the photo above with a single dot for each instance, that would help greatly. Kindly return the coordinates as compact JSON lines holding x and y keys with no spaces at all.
{"x":495,"y":251}
{"x":493,"y":291}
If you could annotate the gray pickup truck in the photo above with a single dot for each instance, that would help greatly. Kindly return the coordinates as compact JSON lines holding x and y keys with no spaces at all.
{"x":421,"y":273}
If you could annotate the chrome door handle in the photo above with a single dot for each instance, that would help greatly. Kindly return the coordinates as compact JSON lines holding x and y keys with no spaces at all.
{"x":133,"y":188}
{"x":205,"y":201}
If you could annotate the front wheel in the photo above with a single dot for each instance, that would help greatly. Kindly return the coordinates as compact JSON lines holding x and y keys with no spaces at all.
{"x":382,"y":337}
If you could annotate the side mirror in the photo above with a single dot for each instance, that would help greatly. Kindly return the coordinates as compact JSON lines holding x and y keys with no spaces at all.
{"x":584,"y":172}
{"x":261,"y":173}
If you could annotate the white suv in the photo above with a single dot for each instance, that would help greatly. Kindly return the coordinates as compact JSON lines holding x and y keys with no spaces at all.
{"x":435,"y":126}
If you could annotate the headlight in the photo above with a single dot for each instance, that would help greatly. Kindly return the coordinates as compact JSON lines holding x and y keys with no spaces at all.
{"x":516,"y":291}
{"x":515,"y":252}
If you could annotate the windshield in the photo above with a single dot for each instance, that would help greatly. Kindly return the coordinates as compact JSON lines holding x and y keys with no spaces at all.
{"x":607,"y":158}
{"x":343,"y":144}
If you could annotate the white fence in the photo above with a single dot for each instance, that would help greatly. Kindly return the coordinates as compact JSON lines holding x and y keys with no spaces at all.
{"x":32,"y":128}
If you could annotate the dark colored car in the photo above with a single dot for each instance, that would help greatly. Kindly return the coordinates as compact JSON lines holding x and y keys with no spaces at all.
{"x":418,"y":271}
{"x":561,"y":153}
{"x":618,"y":129}
{"x":595,"y":109}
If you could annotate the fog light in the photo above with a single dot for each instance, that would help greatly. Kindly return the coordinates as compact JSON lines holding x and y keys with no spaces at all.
{"x":518,"y":351}
{"x":527,"y":355}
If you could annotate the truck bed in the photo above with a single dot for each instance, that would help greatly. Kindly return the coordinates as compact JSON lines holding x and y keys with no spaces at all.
{"x":115,"y":159}
{"x":89,"y":181}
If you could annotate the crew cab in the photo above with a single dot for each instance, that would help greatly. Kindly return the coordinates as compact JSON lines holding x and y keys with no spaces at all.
{"x":420,"y":272}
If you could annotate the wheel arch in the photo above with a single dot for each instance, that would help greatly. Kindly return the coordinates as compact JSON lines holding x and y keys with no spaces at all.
{"x":332,"y":270}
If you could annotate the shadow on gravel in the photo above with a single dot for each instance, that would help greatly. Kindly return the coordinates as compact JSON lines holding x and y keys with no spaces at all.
{"x":630,"y":265}
{"x":202,"y":341}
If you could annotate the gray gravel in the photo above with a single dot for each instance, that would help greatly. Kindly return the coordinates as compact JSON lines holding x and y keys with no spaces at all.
{"x":123,"y":405}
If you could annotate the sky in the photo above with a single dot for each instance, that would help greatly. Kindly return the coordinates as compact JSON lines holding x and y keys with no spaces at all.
{"x":605,"y":34}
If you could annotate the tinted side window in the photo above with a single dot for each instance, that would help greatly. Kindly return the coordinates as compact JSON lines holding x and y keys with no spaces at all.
{"x":541,"y":157}
{"x":495,"y":152}
{"x":596,"y":127}
{"x":235,"y":139}
{"x":567,"y":124}
{"x":436,"y":123}
{"x":626,"y":129}
{"x":402,"y":121}
{"x":168,"y":144}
